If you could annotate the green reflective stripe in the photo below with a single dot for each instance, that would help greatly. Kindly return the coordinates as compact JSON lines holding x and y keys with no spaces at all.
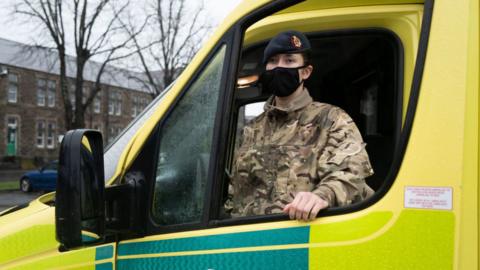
{"x":258,"y":260}
{"x":104,"y":266}
{"x":297,"y":235}
{"x":102,"y":253}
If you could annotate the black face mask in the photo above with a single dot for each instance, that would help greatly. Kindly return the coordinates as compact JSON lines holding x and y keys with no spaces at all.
{"x":281,"y":81}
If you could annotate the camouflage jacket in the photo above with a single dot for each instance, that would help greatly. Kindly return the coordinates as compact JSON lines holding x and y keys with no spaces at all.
{"x":309,"y":146}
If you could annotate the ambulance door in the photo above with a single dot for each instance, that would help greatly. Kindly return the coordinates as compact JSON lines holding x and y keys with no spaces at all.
{"x":409,"y":223}
{"x":369,"y":60}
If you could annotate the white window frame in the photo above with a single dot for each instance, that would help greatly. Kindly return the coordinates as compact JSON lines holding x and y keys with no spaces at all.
{"x":111,"y":106}
{"x":41,"y":92}
{"x":12,"y":82}
{"x":134,"y":106}
{"x":97,"y":103}
{"x":114,"y":103}
{"x":40,"y":133}
{"x":50,"y":130}
{"x":118,"y":103}
{"x":51,"y":93}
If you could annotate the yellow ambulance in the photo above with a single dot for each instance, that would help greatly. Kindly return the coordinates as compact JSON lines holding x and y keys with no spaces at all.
{"x":406,"y":71}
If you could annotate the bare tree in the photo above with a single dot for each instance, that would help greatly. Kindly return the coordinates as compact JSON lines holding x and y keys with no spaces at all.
{"x":92,"y":28}
{"x":175,"y":35}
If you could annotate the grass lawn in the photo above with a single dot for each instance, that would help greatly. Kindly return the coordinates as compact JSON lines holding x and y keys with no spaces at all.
{"x":9,"y":185}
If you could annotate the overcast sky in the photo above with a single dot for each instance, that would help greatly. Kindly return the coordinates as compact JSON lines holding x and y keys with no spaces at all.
{"x":13,"y":30}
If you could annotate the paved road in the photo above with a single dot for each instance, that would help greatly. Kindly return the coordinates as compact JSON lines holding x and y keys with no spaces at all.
{"x":14,"y":197}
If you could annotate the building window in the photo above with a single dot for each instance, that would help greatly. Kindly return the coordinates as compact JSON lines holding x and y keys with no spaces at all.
{"x":51,"y":93}
{"x":97,"y":103}
{"x":40,"y":133}
{"x":134,"y":106}
{"x":12,"y":88}
{"x":41,"y":89}
{"x":113,"y":133}
{"x":51,"y":135}
{"x":139,"y":103}
{"x":114,"y":103}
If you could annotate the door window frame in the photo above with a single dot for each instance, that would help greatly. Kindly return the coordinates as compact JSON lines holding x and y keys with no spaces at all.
{"x":152,"y":227}
{"x":400,"y":148}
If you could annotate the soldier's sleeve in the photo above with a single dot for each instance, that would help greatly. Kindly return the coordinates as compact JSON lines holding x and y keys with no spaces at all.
{"x":343,"y":164}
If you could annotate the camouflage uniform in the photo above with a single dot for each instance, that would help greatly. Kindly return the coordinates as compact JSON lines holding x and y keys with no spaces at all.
{"x":309,"y":146}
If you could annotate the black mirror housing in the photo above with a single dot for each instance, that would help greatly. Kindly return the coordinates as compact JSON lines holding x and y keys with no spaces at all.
{"x":80,"y":202}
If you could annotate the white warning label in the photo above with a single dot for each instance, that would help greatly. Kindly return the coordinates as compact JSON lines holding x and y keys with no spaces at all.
{"x":428,"y":197}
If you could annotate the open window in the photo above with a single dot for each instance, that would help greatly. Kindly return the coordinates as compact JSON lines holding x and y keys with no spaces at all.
{"x":356,"y":70}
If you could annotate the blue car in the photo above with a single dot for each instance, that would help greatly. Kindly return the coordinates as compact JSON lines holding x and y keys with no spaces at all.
{"x":43,"y":179}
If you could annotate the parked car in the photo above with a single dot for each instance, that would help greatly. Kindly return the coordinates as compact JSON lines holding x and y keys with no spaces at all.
{"x":42,"y":179}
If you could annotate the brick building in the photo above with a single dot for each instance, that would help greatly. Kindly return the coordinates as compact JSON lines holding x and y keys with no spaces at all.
{"x":32,"y":120}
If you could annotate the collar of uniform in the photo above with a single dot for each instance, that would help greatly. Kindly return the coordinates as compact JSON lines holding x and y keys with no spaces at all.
{"x":298,"y":103}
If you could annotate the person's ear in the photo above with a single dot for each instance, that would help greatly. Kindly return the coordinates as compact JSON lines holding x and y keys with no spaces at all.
{"x":306,"y":72}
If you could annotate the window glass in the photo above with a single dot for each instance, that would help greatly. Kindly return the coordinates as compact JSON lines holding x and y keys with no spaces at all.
{"x":114,"y":103}
{"x":51,"y":93}
{"x":97,"y":102}
{"x":12,"y":88}
{"x":41,"y":89}
{"x":40,"y":133}
{"x":51,"y":135}
{"x":185,"y":145}
{"x":118,"y":104}
{"x":113,"y":132}
{"x":134,"y":106}
{"x":114,"y":149}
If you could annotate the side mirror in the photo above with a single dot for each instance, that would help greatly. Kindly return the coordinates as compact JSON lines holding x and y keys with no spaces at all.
{"x":80,"y":203}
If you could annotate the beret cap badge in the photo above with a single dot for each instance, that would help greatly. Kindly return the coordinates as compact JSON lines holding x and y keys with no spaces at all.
{"x":296,"y":42}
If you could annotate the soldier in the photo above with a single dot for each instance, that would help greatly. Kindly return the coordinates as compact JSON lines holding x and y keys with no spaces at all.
{"x":298,"y":156}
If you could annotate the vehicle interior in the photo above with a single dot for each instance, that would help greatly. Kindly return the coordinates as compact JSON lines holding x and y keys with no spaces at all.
{"x":357,"y":70}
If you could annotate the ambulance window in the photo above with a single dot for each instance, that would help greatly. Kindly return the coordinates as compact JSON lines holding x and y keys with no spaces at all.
{"x":359,"y":71}
{"x":185,"y":146}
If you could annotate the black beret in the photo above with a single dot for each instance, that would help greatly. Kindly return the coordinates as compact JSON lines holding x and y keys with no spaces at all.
{"x":286,"y":42}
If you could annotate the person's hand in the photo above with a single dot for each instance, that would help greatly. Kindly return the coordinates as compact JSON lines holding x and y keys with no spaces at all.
{"x":305,"y":206}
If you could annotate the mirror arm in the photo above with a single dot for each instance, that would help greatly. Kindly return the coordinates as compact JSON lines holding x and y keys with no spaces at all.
{"x":125,"y":206}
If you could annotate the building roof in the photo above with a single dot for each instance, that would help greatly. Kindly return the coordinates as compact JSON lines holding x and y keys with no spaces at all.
{"x":43,"y":59}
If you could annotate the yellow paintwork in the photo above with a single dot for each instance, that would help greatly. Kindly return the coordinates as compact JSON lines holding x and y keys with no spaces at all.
{"x":443,"y":149}
{"x":76,"y":259}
